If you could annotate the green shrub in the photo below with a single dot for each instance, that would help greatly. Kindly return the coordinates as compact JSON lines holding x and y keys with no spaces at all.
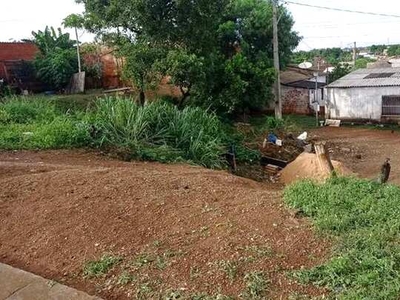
{"x":157,"y":128}
{"x":363,"y":217}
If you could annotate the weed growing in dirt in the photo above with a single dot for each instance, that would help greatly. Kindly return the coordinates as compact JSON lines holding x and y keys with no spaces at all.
{"x":126,"y":278}
{"x":144,"y":291}
{"x":143,"y":259}
{"x":100,"y":267}
{"x":256,"y":286}
{"x":363,"y":218}
{"x":230,"y":268}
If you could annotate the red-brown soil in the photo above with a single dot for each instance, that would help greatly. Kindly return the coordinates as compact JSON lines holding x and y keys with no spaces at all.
{"x":59,"y":209}
{"x":363,"y":150}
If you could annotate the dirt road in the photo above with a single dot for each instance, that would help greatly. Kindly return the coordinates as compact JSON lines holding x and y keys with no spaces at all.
{"x":364,"y":150}
{"x":176,"y":227}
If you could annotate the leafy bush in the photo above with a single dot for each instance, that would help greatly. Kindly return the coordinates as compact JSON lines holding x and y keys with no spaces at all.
{"x":158,"y":128}
{"x":363,"y":217}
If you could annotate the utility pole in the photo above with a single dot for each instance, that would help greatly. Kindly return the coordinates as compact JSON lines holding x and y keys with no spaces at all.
{"x":78,"y":50}
{"x":355,"y":53}
{"x":277,"y":86}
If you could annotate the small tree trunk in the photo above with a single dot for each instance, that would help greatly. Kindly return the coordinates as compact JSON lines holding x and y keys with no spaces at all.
{"x":323,"y":157}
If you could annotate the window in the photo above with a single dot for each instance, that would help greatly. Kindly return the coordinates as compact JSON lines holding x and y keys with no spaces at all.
{"x":391,"y":106}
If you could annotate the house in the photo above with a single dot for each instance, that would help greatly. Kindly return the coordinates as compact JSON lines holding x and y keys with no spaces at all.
{"x":298,"y":91}
{"x":365,"y":94}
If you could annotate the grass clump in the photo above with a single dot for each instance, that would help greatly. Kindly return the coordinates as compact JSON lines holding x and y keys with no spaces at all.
{"x":256,"y":286}
{"x":363,"y":217}
{"x":161,"y":132}
{"x":100,"y":267}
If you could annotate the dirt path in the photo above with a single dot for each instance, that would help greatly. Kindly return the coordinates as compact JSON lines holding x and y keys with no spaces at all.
{"x":177,"y":227}
{"x":364,"y":150}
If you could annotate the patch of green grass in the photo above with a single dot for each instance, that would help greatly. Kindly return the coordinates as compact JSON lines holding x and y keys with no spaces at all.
{"x":256,"y":286}
{"x":230,"y":268}
{"x":126,"y":278}
{"x":363,"y":218}
{"x":100,"y":267}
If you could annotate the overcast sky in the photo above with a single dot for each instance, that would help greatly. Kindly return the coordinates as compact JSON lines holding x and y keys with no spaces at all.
{"x":319,"y":28}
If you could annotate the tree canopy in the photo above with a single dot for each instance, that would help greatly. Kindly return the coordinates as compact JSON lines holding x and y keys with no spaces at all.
{"x":219,"y":52}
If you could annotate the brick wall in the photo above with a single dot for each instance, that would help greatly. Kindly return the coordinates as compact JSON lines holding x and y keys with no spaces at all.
{"x":295,"y":101}
{"x":15,"y":52}
{"x":18,"y":51}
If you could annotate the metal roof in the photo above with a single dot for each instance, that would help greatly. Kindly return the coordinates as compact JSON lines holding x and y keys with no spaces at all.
{"x":305,"y":84}
{"x":363,"y":78}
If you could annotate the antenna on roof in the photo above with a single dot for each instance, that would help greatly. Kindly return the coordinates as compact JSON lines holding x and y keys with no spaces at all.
{"x":305,"y":65}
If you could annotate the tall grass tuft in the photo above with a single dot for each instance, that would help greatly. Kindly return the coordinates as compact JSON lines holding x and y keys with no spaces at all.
{"x":160,"y":131}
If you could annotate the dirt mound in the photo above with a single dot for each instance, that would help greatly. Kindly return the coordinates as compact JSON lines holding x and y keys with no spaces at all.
{"x":306,"y":166}
{"x":176,"y":227}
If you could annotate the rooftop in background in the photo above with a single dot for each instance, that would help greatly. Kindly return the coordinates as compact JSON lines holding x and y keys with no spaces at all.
{"x":369,"y":78}
{"x":293,"y":74}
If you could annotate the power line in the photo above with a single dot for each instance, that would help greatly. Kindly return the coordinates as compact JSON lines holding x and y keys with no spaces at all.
{"x":344,"y":10}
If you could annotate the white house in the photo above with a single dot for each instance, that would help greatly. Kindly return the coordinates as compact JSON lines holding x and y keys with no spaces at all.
{"x":365,"y":94}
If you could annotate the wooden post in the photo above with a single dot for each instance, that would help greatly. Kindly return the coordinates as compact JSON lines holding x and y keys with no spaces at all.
{"x":323,"y":158}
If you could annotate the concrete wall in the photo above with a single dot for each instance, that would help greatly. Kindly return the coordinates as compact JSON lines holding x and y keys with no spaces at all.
{"x":295,"y":101}
{"x":357,"y":103}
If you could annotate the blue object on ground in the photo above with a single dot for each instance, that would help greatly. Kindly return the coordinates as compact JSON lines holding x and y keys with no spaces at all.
{"x":272,"y":138}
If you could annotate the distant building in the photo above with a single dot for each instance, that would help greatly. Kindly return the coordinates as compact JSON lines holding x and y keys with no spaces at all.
{"x":298,"y":91}
{"x":365,"y":94}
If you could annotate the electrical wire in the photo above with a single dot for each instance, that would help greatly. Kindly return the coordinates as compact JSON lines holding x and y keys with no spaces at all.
{"x":344,"y":10}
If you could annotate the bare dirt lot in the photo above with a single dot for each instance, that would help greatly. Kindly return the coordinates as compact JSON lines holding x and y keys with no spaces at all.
{"x":364,"y":150}
{"x":176,"y":227}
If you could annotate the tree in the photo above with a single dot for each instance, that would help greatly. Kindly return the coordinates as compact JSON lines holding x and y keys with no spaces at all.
{"x":340,"y":71}
{"x":377,"y":49}
{"x":362,"y":63}
{"x":219,"y":52}
{"x":56,"y":61}
{"x":75,"y":21}
{"x":140,"y":66}
{"x":185,"y":69}
{"x":394,"y":50}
